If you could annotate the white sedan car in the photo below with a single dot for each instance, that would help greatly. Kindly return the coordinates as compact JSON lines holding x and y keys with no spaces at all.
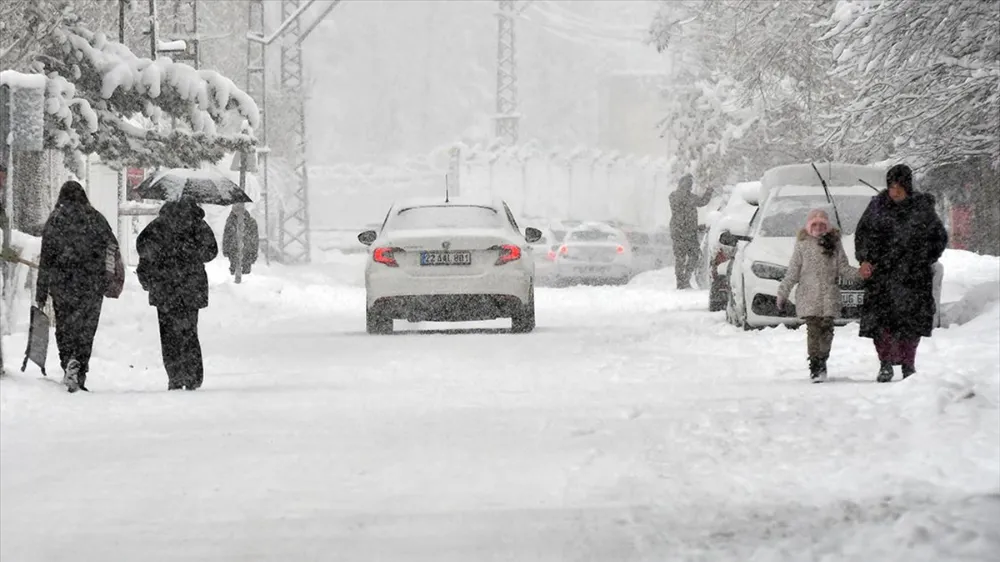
{"x":448,"y":261}
{"x":594,"y":253}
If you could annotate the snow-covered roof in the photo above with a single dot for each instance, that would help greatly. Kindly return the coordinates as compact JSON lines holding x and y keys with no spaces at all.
{"x":20,"y":80}
{"x":835,"y":174}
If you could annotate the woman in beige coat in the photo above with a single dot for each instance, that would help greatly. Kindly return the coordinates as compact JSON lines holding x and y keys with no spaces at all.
{"x":818,"y":262}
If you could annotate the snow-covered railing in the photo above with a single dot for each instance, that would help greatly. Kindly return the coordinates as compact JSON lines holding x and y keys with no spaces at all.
{"x":22,"y":278}
{"x":536,"y":181}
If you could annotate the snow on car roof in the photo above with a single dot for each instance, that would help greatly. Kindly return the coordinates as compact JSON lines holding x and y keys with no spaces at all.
{"x":817,"y":190}
{"x":835,"y":174}
{"x":453,"y":201}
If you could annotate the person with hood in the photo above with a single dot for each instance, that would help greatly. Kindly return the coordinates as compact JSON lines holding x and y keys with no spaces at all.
{"x":75,"y":268}
{"x":173,"y":250}
{"x":897,"y":242}
{"x":251,"y":240}
{"x":684,"y":228}
{"x":817,"y":263}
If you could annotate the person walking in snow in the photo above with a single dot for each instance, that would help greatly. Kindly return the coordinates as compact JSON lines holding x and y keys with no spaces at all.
{"x":75,"y":268}
{"x":684,"y":228}
{"x":173,"y":250}
{"x":818,"y":263}
{"x":251,"y":240}
{"x":897,"y":242}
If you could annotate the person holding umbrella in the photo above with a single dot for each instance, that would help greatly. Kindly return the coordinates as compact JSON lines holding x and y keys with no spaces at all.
{"x":173,"y":250}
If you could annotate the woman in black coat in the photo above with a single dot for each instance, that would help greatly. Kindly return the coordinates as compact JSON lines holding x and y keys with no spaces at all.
{"x":75,"y":268}
{"x":173,"y":250}
{"x":897,"y":242}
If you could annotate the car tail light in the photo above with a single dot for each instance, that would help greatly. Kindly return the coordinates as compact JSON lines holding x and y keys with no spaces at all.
{"x":509,"y":253}
{"x":563,"y":250}
{"x":384,"y":256}
{"x":552,"y":255}
{"x":620,"y":249}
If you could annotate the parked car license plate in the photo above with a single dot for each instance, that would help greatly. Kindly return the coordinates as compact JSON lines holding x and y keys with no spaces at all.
{"x":593,"y":269}
{"x":852,"y":299}
{"x":445,"y":258}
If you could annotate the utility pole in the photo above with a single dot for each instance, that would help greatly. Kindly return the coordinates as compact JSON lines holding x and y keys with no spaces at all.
{"x":257,"y":88}
{"x":153,"y":25}
{"x":506,"y":115}
{"x":293,"y":215}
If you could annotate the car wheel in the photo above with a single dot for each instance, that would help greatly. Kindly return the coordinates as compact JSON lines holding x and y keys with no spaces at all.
{"x":378,"y":324}
{"x":523,"y":320}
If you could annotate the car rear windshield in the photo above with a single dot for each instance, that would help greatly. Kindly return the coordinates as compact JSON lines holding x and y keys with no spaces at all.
{"x":446,"y":216}
{"x":592,"y":236}
{"x":787,"y":215}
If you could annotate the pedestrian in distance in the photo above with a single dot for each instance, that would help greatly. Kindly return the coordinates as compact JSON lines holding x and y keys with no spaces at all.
{"x":77,"y":268}
{"x":898,"y":240}
{"x":173,"y":250}
{"x":818,"y":263}
{"x":251,"y":240}
{"x":684,"y":228}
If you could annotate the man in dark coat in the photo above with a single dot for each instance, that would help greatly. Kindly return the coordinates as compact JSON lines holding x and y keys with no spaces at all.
{"x":684,"y":229}
{"x":251,"y":240}
{"x":74,"y":269}
{"x":897,"y":242}
{"x":173,"y":250}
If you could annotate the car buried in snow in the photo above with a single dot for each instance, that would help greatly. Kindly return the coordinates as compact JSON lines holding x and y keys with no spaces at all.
{"x":449,"y":260}
{"x":763,"y":248}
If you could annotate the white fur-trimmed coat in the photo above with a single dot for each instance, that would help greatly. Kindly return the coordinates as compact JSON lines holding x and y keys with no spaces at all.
{"x":816,"y":274}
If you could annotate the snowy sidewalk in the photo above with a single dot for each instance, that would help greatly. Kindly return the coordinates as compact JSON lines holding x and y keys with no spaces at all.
{"x":632,"y":425}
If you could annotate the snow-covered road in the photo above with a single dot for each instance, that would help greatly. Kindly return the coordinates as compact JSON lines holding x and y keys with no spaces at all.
{"x":632,"y":425}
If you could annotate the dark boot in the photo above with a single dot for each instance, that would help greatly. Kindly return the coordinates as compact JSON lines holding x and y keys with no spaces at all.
{"x":908,"y":370}
{"x":885,"y":372}
{"x":820,"y":375}
{"x":814,"y":368}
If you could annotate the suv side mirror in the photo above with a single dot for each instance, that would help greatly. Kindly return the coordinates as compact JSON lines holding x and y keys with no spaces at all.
{"x":532,"y":235}
{"x":729,"y":239}
{"x":367,"y":237}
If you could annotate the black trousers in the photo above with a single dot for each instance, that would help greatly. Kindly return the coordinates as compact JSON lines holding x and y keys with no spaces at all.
{"x":180,"y":347}
{"x":686,"y":256}
{"x":76,"y":326}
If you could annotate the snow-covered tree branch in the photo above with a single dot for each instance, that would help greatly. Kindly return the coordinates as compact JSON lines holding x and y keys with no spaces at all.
{"x":927,"y":76}
{"x":130,"y":110}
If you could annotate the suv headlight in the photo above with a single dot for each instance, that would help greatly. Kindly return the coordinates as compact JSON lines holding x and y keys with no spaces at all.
{"x":764,"y":270}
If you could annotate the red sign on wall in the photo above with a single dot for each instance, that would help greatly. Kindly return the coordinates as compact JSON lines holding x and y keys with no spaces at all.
{"x":133,"y":177}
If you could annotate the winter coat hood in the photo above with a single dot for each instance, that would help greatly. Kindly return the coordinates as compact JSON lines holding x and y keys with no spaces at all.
{"x":832,"y":233}
{"x":72,"y":193}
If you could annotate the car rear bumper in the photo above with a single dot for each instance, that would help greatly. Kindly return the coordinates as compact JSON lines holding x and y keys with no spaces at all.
{"x":592,"y":271}
{"x":502,"y":281}
{"x":448,"y":308}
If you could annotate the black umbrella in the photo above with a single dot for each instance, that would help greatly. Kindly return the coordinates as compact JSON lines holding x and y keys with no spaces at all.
{"x":202,"y":186}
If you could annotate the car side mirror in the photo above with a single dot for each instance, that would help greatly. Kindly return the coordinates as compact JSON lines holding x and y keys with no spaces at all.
{"x":367,"y":237}
{"x":532,"y":235}
{"x":729,"y":239}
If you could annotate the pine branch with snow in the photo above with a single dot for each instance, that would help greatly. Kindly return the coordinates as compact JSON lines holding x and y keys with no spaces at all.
{"x":103,"y":99}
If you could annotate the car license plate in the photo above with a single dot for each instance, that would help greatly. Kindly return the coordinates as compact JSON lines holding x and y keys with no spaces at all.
{"x":593,"y":269}
{"x":445,"y":258}
{"x":852,"y":299}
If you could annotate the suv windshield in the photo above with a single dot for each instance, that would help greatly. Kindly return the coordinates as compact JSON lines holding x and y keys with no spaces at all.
{"x":787,"y":215}
{"x":446,"y":216}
